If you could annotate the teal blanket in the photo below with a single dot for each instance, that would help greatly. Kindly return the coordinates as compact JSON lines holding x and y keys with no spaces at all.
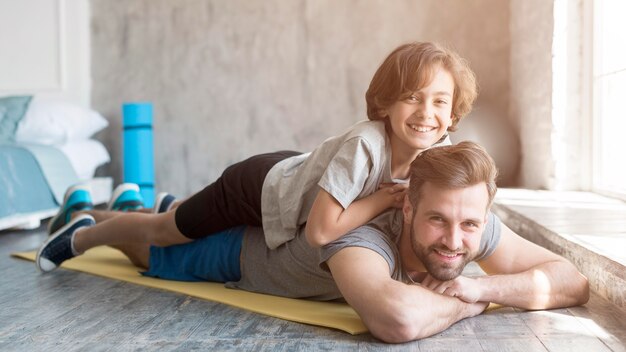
{"x":32,"y":178}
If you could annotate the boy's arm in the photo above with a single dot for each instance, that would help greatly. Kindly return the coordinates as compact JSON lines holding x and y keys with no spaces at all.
{"x":328,"y":220}
{"x":391,"y":310}
{"x":523,"y":275}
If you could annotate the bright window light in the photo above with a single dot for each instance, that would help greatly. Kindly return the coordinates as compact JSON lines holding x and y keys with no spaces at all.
{"x":609,"y":85}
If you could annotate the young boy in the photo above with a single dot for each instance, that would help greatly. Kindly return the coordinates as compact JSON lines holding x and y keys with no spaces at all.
{"x":421,"y":91}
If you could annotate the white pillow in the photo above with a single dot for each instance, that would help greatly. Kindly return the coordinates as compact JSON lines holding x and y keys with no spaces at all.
{"x":85,"y":156}
{"x":55,"y":122}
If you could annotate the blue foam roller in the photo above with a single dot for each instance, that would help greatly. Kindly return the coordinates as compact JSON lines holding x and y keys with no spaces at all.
{"x":138,"y":149}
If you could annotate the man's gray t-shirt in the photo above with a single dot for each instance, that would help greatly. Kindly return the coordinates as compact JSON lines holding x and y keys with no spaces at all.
{"x":296,"y":270}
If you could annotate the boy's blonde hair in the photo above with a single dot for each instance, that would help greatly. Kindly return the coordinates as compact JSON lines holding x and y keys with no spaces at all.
{"x":411,"y":67}
{"x":453,"y":166}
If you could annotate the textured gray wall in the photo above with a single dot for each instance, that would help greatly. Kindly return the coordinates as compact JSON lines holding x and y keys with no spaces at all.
{"x":230,"y":79}
{"x":531,"y":85}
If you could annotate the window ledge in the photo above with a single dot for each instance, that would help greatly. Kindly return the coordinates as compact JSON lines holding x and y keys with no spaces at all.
{"x":586,"y":228}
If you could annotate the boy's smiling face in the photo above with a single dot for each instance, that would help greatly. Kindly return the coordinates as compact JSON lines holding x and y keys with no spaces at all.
{"x":420,"y":120}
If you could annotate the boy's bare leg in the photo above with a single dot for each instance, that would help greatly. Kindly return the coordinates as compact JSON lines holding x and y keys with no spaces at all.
{"x":99,"y":215}
{"x":102,"y":215}
{"x":133,"y":228}
{"x":151,"y":210}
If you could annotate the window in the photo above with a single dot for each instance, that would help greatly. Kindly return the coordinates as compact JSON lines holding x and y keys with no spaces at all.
{"x":609,"y":97}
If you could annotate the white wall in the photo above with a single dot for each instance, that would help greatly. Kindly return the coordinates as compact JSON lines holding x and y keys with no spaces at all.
{"x":45,"y":49}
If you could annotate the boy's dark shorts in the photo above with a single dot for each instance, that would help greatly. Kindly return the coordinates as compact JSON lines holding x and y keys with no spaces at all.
{"x":234,"y":199}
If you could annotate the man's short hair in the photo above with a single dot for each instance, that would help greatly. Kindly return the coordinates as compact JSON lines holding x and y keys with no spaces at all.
{"x":453,"y":166}
{"x":412,"y":66}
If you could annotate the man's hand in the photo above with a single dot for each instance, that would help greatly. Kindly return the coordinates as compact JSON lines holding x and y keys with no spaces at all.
{"x":392,"y":310}
{"x":477,"y":308}
{"x":465,"y":288}
{"x":397,"y":190}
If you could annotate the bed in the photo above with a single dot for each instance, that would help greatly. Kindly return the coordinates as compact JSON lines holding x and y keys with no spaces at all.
{"x":46,"y":146}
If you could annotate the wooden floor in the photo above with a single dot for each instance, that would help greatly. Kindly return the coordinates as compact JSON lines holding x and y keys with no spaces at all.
{"x":72,"y":311}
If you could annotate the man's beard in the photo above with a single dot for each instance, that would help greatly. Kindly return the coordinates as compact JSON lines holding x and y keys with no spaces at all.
{"x":439,"y":270}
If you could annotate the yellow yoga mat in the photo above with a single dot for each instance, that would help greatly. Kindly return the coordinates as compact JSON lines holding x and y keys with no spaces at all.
{"x":111,"y":263}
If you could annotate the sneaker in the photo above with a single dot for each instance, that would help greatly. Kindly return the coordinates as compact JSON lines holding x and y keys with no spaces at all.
{"x":126,"y":197}
{"x":77,"y":198}
{"x":58,"y":248}
{"x":164,"y":202}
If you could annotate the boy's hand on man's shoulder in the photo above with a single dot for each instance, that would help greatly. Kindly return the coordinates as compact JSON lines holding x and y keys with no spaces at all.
{"x":396,"y":191}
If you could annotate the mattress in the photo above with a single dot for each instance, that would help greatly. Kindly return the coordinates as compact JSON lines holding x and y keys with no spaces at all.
{"x":45,"y":147}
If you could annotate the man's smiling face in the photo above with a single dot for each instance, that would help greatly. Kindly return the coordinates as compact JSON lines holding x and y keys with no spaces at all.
{"x":447,"y":227}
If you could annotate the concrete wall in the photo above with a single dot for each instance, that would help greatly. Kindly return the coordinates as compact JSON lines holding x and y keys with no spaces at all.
{"x":230,"y":79}
{"x":531,"y":86}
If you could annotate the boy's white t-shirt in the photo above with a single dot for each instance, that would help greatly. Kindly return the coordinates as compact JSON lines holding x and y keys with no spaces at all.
{"x":348,"y":167}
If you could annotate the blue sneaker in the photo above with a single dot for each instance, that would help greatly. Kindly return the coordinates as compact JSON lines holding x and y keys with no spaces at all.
{"x":77,"y":198}
{"x":126,"y":197}
{"x":59,"y":248}
{"x":164,"y":202}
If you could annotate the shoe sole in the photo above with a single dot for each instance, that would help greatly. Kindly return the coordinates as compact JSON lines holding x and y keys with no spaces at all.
{"x":55,"y":235}
{"x":69,"y":191}
{"x":118,"y":192}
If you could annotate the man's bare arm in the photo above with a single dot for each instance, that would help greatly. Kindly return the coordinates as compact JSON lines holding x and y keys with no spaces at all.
{"x":521,"y":274}
{"x":393,"y":311}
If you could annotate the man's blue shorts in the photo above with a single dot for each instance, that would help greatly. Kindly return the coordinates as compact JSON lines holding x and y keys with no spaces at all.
{"x":212,"y":258}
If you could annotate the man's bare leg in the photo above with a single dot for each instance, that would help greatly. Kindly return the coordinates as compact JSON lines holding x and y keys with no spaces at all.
{"x":129,"y":228}
{"x":138,"y":254}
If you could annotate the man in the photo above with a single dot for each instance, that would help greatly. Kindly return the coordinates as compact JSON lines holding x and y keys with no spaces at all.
{"x":401,"y":273}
